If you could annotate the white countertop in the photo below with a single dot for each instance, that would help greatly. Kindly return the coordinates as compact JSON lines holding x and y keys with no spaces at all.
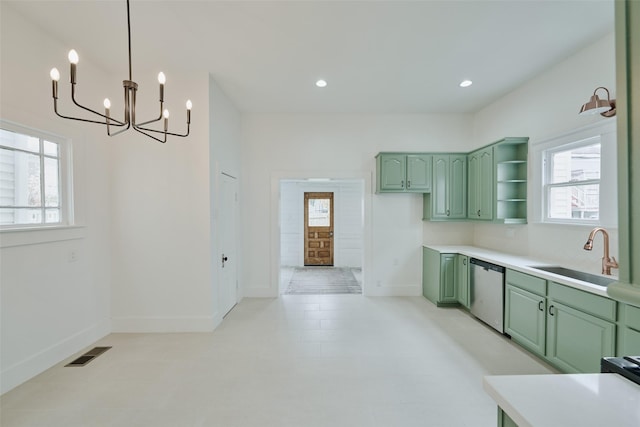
{"x":585,"y":400}
{"x":521,"y":264}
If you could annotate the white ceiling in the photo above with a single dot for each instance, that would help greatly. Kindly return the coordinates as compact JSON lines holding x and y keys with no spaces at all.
{"x":378,"y":56}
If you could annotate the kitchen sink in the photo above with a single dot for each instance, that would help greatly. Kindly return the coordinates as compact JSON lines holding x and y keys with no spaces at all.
{"x":575,"y":274}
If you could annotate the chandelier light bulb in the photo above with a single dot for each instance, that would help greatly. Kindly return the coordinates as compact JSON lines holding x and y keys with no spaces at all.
{"x":55,"y":74}
{"x":107,"y":103}
{"x":165,"y":113}
{"x":189,"y":104}
{"x":73,"y":56}
{"x":161,"y":78}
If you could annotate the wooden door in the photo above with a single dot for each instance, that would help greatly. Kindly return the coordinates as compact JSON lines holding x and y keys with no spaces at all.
{"x":318,"y":228}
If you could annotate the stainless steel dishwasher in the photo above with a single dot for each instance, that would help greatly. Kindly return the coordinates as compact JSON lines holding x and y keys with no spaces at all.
{"x":487,"y":293}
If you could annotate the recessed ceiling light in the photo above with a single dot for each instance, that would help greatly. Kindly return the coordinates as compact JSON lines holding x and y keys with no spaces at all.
{"x":466,"y":83}
{"x":321,"y":83}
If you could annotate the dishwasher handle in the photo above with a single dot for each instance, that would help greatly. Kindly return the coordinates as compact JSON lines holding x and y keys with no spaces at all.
{"x":487,"y":265}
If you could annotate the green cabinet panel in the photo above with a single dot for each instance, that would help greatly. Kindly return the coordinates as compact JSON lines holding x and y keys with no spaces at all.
{"x":448,"y":198}
{"x":403,"y":172}
{"x":504,"y":420}
{"x":448,"y":288}
{"x":418,"y":172}
{"x":576,"y":341}
{"x":462,"y":280}
{"x":480,"y":184}
{"x":527,"y":282}
{"x":439,"y":275}
{"x":525,"y":318}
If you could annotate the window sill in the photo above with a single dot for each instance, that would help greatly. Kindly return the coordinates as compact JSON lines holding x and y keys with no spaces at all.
{"x":10,"y":237}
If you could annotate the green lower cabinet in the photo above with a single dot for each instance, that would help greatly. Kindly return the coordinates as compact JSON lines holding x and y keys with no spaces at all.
{"x":439,"y":274}
{"x":525,"y":318}
{"x":576,"y":341}
{"x":629,"y":332}
{"x":462,"y":280}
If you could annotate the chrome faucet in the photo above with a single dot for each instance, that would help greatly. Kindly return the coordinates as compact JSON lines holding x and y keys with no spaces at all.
{"x":607,"y":263}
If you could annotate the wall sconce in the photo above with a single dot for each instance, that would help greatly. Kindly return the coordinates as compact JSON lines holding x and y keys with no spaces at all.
{"x":606,"y":108}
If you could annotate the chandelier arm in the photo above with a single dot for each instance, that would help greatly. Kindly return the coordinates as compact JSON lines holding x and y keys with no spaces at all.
{"x":119,"y":131}
{"x":135,"y":126}
{"x":152,"y":120}
{"x":55,"y":109}
{"x":73,"y":98}
{"x":149,"y":135}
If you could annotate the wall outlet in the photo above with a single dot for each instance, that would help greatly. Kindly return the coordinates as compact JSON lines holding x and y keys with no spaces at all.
{"x":73,"y":255}
{"x":378,"y":283}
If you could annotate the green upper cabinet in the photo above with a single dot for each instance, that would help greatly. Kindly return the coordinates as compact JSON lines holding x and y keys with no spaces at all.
{"x":448,"y":198}
{"x":403,"y":172}
{"x":510,"y":191}
{"x":480,"y":184}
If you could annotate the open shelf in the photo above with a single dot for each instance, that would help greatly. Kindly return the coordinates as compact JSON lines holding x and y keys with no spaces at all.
{"x":511,"y":168}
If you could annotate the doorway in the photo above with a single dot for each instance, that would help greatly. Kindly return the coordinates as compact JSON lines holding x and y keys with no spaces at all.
{"x":318,"y":229}
{"x":342,"y":214}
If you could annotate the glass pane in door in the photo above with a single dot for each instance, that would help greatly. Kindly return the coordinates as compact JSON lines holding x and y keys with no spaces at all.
{"x":319,"y":212}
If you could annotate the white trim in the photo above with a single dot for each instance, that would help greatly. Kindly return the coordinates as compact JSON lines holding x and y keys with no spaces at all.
{"x":10,"y":237}
{"x":606,"y":130}
{"x":39,"y":362}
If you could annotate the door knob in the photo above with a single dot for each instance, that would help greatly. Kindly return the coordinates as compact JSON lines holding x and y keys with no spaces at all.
{"x":224,"y":259}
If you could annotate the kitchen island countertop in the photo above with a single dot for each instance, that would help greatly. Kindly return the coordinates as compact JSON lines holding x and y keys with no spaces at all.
{"x":585,"y":400}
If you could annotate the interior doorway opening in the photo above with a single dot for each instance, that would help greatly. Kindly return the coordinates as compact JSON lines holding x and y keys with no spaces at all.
{"x":301,"y":274}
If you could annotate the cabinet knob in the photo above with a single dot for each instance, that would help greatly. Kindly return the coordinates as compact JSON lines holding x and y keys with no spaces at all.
{"x":448,"y":212}
{"x":408,"y":184}
{"x":464,"y":261}
{"x":478,"y":212}
{"x":550,"y":311}
{"x":541,"y":305}
{"x":402,"y":183}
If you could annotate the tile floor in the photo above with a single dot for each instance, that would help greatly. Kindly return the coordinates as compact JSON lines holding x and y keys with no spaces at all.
{"x":304,"y":361}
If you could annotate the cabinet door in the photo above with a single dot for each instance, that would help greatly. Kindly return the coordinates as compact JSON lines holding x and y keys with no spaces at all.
{"x":485,"y":184}
{"x":418,"y":173}
{"x":524,"y":318}
{"x":576,"y":341}
{"x":448,"y":291}
{"x":440,"y":187}
{"x":473,"y":186}
{"x":462,"y":279}
{"x":457,"y":204}
{"x":392,"y":172}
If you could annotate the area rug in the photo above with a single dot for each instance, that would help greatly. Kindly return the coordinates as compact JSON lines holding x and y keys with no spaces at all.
{"x":323,"y":280}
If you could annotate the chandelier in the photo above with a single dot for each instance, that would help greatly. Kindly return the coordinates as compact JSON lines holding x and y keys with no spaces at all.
{"x":114,"y":126}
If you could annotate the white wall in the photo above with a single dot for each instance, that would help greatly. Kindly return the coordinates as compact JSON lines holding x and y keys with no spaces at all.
{"x":348,"y":221}
{"x":545,"y":107}
{"x":284,"y":146}
{"x":52,"y":307}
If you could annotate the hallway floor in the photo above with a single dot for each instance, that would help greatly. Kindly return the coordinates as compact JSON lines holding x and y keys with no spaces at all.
{"x":303,"y":361}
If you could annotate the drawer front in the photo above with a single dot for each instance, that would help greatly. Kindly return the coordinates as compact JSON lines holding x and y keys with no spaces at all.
{"x":632,"y":317}
{"x":589,"y":303}
{"x":630,"y":342}
{"x":529,"y":283}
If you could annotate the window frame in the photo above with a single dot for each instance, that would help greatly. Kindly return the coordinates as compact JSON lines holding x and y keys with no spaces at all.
{"x":608,"y":200}
{"x":64,"y":176}
{"x":547,"y":185}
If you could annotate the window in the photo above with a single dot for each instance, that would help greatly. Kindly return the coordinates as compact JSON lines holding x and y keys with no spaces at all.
{"x":32,"y":189}
{"x":572,"y":181}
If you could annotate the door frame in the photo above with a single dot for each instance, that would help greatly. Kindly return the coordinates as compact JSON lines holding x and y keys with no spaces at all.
{"x":363,"y":177}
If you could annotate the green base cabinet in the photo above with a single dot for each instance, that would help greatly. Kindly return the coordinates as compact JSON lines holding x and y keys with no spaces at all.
{"x":504,"y":420}
{"x":629,"y":331}
{"x":525,"y":315}
{"x":581,"y":329}
{"x":462,"y":280}
{"x":403,"y":173}
{"x":439,"y":277}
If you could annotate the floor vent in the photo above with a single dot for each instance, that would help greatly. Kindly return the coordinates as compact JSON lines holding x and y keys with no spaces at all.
{"x":88,"y":356}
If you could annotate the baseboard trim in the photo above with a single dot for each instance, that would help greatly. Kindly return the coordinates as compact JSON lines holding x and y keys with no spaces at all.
{"x":39,"y":362}
{"x":164,"y":324}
